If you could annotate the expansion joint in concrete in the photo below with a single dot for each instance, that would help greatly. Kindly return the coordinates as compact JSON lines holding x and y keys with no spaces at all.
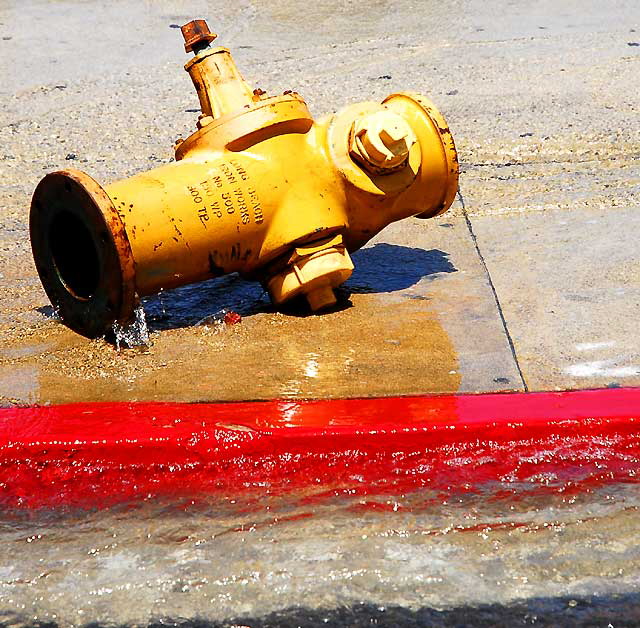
{"x":493,"y":290}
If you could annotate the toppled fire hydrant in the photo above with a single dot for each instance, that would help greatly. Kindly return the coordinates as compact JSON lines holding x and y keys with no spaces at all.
{"x":260,"y":188}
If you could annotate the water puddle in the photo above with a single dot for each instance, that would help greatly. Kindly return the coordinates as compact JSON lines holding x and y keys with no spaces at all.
{"x":19,"y":383}
{"x":204,"y":303}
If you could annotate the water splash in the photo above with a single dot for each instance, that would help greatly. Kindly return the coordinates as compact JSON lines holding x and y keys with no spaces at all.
{"x":199,"y":304}
{"x":135,"y":334}
{"x":161,"y":302}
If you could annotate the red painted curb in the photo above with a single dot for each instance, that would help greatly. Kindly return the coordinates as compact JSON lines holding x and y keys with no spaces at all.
{"x":94,"y":454}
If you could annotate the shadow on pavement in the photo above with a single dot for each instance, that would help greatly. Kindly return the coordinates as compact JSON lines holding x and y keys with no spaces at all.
{"x":390,"y":267}
{"x":381,"y":268}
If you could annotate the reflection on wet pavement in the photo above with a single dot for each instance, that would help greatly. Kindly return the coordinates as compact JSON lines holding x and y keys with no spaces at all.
{"x":383,"y":338}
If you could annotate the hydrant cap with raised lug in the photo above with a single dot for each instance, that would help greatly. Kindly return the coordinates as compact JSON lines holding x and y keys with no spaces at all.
{"x":259,"y":188}
{"x":383,"y":139}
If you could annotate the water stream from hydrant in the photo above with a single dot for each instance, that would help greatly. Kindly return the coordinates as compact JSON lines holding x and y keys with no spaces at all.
{"x":511,"y":511}
{"x":135,"y":334}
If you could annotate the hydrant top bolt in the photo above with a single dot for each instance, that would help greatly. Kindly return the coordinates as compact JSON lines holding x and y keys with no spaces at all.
{"x":382,"y":139}
{"x":196,"y":35}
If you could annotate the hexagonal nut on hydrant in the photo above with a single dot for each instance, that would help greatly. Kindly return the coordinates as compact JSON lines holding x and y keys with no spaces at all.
{"x":381,"y":141}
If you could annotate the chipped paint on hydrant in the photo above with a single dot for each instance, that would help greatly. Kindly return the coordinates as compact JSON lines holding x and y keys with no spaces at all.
{"x":261,"y":188}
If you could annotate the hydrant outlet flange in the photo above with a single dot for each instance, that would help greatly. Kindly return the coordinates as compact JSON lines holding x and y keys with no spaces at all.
{"x":82,"y":252}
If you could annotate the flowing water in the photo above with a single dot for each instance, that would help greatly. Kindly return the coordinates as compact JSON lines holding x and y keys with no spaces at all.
{"x":544,"y":552}
{"x":135,"y":334}
{"x":189,"y":305}
{"x":549,"y":551}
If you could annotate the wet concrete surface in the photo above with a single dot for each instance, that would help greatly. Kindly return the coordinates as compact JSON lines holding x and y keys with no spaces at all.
{"x":255,"y":555}
{"x":400,"y":328}
{"x":520,"y":289}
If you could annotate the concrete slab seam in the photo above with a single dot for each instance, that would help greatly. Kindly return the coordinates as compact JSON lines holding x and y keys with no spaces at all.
{"x":493,"y":290}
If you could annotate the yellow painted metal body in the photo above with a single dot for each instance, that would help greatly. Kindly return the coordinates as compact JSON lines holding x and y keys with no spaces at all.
{"x":217,"y":211}
{"x":260,"y":188}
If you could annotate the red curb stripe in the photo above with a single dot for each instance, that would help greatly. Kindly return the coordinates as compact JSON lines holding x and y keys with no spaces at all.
{"x":94,"y":454}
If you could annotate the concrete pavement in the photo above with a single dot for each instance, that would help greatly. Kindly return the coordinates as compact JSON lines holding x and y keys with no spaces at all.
{"x":534,"y":284}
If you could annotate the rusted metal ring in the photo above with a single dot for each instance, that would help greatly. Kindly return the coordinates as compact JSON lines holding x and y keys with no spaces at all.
{"x":439,"y":125}
{"x":82,"y":252}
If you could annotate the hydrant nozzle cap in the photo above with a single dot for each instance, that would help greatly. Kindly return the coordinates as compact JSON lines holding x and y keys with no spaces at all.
{"x":382,"y":139}
{"x":314,"y":271}
{"x":196,"y":35}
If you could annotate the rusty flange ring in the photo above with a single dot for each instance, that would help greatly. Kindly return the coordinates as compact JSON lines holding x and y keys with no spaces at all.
{"x":82,"y":252}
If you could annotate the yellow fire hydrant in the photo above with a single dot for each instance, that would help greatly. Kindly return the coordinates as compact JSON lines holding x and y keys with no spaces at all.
{"x":260,"y":189}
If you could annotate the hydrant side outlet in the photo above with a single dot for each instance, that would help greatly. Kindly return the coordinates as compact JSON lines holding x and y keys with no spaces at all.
{"x":260,"y":188}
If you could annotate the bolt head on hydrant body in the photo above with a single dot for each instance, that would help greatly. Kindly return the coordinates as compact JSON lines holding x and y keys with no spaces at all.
{"x":260,"y":188}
